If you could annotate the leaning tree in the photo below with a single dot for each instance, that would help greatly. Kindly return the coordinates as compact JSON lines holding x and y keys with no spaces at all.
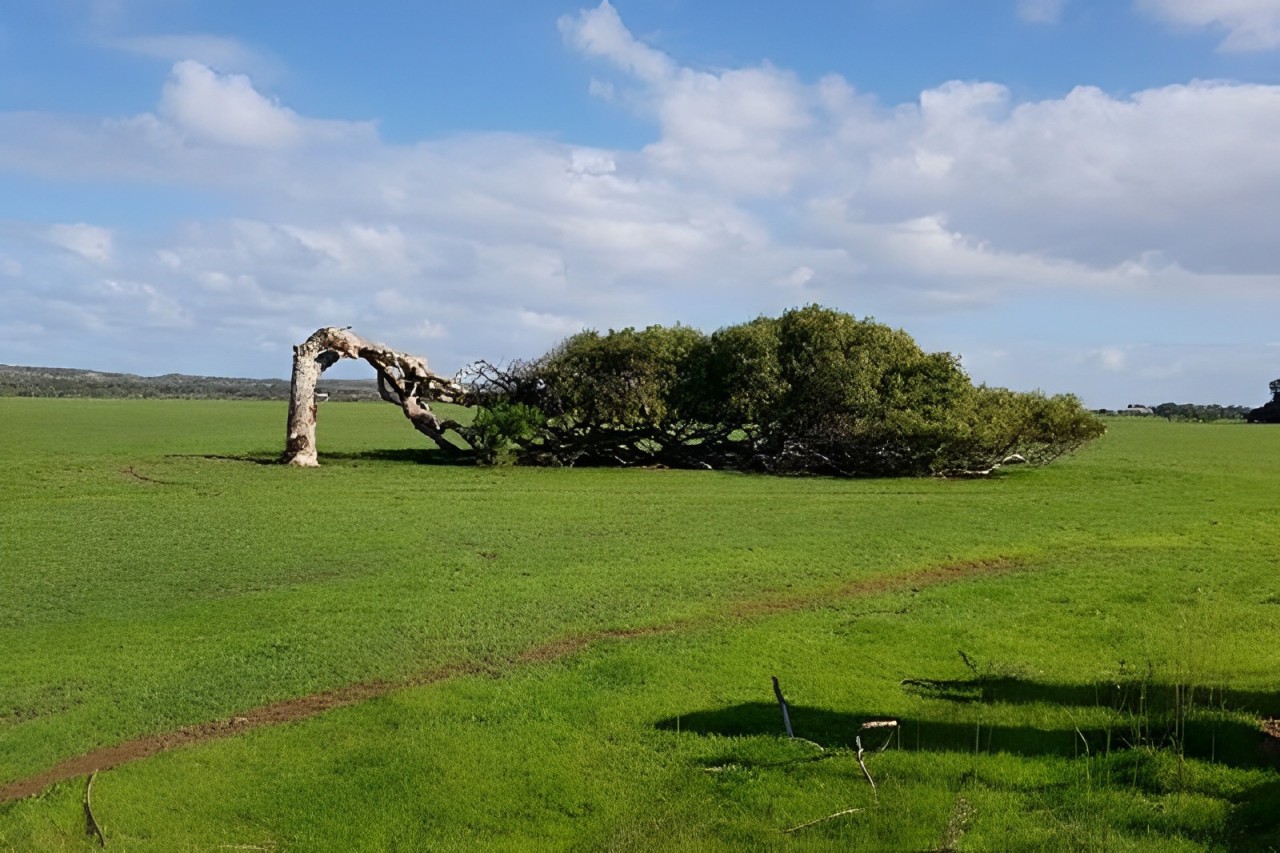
{"x":814,"y":391}
{"x":403,"y":380}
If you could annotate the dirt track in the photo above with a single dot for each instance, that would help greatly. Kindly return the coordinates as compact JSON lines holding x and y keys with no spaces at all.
{"x":302,"y":707}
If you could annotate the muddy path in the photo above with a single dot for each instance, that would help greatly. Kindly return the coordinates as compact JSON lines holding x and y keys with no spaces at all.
{"x":303,"y":707}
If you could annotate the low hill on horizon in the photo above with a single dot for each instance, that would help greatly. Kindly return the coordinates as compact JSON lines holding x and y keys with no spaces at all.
{"x":24,"y":381}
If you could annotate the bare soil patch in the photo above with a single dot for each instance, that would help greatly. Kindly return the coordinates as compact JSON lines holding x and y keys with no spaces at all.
{"x":914,"y":580}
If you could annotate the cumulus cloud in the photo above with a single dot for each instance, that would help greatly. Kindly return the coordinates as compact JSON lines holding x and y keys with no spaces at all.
{"x":1249,"y":24}
{"x":225,"y":109}
{"x":600,"y":32}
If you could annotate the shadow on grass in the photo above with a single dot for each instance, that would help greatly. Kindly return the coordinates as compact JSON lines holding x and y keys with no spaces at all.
{"x":1210,"y":737}
{"x":1160,"y":720}
{"x":1124,"y":694}
{"x":418,"y":455}
{"x":1254,"y":820}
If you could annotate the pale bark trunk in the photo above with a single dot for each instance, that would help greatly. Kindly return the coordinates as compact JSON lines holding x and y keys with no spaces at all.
{"x":402,"y":379}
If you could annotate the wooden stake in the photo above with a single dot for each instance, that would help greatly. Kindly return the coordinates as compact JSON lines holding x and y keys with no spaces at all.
{"x":782,"y":703}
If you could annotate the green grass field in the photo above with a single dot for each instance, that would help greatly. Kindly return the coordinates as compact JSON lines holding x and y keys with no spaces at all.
{"x":581,"y":659}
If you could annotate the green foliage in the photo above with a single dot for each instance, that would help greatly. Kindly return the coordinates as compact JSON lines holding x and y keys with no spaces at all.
{"x":501,"y":427}
{"x":623,"y":379}
{"x":813,"y":391}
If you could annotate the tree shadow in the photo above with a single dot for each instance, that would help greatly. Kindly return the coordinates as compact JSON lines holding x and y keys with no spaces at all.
{"x":1123,"y":694}
{"x":1253,"y":823}
{"x":417,"y":455}
{"x":1210,"y":737}
{"x":1147,"y":717}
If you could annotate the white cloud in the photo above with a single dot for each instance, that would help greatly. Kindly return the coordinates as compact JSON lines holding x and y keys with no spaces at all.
{"x":88,"y":241}
{"x":600,"y":32}
{"x":158,"y":308}
{"x":733,"y":126}
{"x":1113,"y":359}
{"x":798,"y":277}
{"x":225,"y":109}
{"x":546,"y":322}
{"x":1041,"y":11}
{"x":1249,"y":24}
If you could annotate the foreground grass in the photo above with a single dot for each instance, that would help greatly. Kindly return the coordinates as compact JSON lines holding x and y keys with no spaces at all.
{"x":156,"y":577}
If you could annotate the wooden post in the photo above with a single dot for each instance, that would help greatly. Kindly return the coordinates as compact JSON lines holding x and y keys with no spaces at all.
{"x":782,"y":703}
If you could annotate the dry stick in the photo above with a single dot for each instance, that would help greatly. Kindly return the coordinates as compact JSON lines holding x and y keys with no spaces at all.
{"x":91,"y":824}
{"x":874,"y":793}
{"x":813,"y":744}
{"x":821,"y":819}
{"x":782,"y":703}
{"x":891,"y":725}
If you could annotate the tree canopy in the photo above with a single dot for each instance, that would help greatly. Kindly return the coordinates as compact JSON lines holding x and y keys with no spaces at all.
{"x":812,"y":391}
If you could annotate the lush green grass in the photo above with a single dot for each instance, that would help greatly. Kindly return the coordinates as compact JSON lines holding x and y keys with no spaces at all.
{"x":154,"y":576}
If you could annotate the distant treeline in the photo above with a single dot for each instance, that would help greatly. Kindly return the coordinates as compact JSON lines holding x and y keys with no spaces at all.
{"x":1184,"y":412}
{"x":18,"y":381}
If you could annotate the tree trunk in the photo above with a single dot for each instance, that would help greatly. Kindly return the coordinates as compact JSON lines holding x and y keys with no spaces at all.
{"x":402,"y":379}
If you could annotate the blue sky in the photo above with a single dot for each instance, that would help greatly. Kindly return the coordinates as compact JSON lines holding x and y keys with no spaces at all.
{"x":1073,"y":195}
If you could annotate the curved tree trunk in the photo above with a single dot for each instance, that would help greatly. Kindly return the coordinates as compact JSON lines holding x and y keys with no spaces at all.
{"x":402,"y":379}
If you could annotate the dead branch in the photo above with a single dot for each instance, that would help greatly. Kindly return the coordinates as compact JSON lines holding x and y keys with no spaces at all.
{"x":891,"y":725}
{"x":91,"y":826}
{"x":822,"y":819}
{"x":403,"y":380}
{"x":865,"y":772}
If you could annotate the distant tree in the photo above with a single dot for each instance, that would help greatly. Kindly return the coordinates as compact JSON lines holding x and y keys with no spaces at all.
{"x":1268,"y":413}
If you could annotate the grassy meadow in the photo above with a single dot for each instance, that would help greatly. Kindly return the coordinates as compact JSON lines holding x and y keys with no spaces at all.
{"x":1078,"y":657}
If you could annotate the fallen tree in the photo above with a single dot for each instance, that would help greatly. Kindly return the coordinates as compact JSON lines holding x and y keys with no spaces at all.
{"x":815,"y":391}
{"x":403,"y":380}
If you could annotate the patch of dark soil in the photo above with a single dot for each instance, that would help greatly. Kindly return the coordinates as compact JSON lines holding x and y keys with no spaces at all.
{"x":867,"y":587}
{"x":565,"y":646}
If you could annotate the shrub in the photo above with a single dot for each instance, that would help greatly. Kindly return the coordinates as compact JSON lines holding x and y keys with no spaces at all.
{"x":812,"y":391}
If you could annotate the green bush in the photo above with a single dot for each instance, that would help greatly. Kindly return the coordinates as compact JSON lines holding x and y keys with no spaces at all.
{"x":813,"y":391}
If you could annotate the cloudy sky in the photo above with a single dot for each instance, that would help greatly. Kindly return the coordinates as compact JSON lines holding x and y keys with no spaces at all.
{"x":1073,"y":195}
